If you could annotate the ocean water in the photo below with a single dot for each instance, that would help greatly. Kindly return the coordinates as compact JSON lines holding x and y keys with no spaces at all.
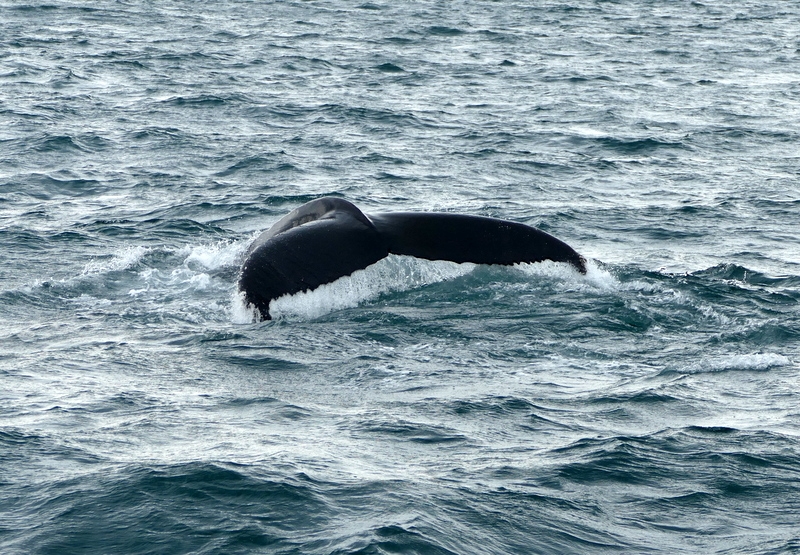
{"x":414,"y":407}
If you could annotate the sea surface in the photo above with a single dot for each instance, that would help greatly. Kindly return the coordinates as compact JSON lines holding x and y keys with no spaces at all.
{"x":416,"y":407}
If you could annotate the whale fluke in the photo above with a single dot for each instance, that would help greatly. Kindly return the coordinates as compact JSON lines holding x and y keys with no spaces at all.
{"x":329,"y":238}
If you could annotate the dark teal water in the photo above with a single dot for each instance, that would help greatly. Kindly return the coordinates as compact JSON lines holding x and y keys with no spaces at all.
{"x":415,"y":407}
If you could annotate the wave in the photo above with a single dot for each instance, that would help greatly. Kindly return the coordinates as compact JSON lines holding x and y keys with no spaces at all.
{"x":413,"y":432}
{"x":208,"y":100}
{"x":190,"y":281}
{"x":126,"y":258}
{"x":740,"y":274}
{"x":257,"y":165}
{"x":389,"y":67}
{"x":62,"y":184}
{"x":748,"y":362}
{"x":141,"y":510}
{"x":584,"y":496}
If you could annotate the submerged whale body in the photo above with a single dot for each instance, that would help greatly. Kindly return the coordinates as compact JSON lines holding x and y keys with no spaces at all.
{"x":329,"y":238}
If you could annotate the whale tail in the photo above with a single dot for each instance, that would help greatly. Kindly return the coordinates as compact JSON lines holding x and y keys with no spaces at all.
{"x":317,"y":243}
{"x":477,"y":239}
{"x":329,"y":238}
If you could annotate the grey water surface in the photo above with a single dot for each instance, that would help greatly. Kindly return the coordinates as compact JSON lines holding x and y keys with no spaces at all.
{"x":650,"y":406}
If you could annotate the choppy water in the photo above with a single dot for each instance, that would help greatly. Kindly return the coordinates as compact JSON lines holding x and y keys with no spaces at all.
{"x":415,"y":407}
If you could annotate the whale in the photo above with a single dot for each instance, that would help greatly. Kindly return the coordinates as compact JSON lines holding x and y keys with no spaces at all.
{"x":329,"y":238}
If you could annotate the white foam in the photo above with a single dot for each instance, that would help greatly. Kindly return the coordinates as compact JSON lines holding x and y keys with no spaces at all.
{"x":240,"y":312}
{"x":741,"y":362}
{"x":596,"y":278}
{"x":183,"y":279}
{"x":125,"y":258}
{"x":587,"y":132}
{"x":393,"y":273}
{"x":195,"y":273}
{"x":213,"y":256}
{"x":197,"y":258}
